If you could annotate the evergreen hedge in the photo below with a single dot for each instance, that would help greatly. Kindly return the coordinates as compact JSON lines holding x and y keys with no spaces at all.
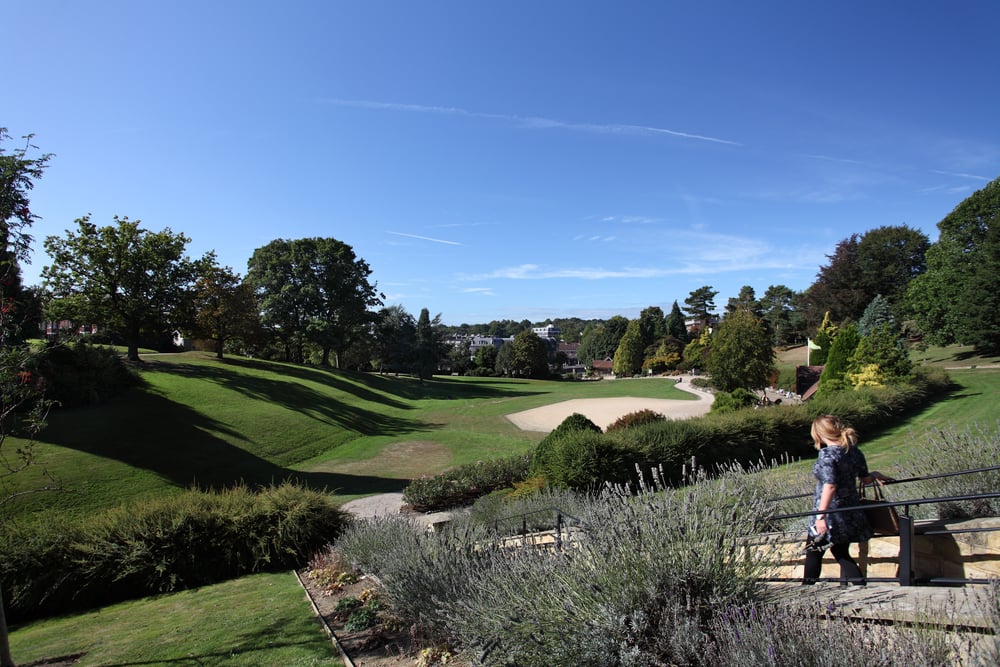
{"x":577,"y":455}
{"x":168,"y":544}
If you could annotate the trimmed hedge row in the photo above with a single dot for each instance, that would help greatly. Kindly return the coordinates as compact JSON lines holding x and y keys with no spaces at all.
{"x":461,"y":485}
{"x":578,"y":455}
{"x":168,"y":544}
{"x":579,"y":461}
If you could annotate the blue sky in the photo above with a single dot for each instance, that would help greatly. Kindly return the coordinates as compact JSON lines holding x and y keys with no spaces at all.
{"x":511,"y":160}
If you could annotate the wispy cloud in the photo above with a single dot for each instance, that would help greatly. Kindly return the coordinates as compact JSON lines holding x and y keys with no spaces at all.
{"x":485,"y":291}
{"x":945,"y":189}
{"x":630,"y":219}
{"x":530,"y":122}
{"x":959,"y":174}
{"x":424,"y":238}
{"x":830,"y":158}
{"x":696,"y":253}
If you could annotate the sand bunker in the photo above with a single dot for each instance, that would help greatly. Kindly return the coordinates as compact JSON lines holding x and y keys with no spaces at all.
{"x":604,"y":411}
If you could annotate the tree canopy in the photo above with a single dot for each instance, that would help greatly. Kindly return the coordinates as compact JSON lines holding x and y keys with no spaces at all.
{"x":742,"y":356}
{"x":122,"y":277}
{"x":701,"y":305}
{"x":313,"y":290}
{"x":530,"y":355}
{"x":880,"y":261}
{"x":628,"y":357}
{"x":225,"y":307}
{"x":957,"y":300}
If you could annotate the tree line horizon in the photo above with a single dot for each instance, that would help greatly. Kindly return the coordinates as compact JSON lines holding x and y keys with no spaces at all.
{"x":312,"y":300}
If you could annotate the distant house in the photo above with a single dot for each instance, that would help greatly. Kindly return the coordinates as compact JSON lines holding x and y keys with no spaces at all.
{"x":53,"y":328}
{"x":602,"y":367}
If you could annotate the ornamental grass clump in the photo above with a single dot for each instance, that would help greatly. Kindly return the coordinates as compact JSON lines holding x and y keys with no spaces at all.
{"x":949,"y":450}
{"x":422,"y":573}
{"x":798,"y":633}
{"x":641,"y":580}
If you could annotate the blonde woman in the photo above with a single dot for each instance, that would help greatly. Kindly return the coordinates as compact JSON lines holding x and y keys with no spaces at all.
{"x":838,"y":467}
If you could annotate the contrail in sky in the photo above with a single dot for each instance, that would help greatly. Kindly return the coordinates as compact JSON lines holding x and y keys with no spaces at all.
{"x":527,"y":121}
{"x":425,"y":238}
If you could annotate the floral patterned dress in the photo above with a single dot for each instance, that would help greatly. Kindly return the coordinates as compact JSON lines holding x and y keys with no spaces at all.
{"x":842,"y":468}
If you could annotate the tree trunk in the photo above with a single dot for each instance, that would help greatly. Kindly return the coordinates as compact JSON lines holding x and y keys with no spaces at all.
{"x":6,"y":660}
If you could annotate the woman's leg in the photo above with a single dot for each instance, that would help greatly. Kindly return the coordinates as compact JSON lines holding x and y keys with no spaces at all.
{"x":849,"y":571}
{"x":814,"y":563}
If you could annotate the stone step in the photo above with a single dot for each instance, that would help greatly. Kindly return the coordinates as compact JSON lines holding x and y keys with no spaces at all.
{"x":956,"y":555}
{"x":964,"y":608}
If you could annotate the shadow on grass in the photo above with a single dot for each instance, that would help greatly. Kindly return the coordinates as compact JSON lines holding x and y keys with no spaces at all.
{"x":301,"y":398}
{"x":385,"y":389}
{"x":147,"y":431}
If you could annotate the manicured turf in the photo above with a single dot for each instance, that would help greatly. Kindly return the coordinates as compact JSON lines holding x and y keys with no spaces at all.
{"x":204,"y":422}
{"x":241,"y":419}
{"x":258,"y":620}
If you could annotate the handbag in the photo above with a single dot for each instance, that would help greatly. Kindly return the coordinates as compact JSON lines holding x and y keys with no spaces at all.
{"x":883,"y":520}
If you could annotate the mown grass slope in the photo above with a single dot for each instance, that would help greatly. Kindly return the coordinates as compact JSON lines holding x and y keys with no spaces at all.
{"x":210,"y":423}
{"x":219,"y":401}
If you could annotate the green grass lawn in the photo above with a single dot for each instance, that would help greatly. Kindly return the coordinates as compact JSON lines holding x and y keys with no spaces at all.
{"x":210,"y":422}
{"x":201,"y":421}
{"x":257,"y":620}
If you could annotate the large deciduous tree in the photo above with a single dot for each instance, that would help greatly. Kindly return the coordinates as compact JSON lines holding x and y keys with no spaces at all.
{"x":395,"y":339}
{"x":313,"y":290}
{"x":530,"y":355}
{"x":881,"y":261}
{"x":958,"y":299}
{"x":23,"y":407}
{"x":600,"y":342}
{"x":652,"y":325}
{"x":742,"y":355}
{"x":225,"y":307}
{"x":122,"y":277}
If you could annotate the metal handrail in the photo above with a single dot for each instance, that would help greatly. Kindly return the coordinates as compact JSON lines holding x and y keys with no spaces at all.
{"x":903,"y":481}
{"x":906,"y":523}
{"x":559,"y":522}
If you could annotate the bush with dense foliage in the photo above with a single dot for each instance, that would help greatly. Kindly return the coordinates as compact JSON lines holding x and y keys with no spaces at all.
{"x":577,"y":455}
{"x":573,"y":424}
{"x":737,"y":399}
{"x":460,"y":486}
{"x":79,"y":374}
{"x":161,"y":545}
{"x":637,"y":418}
{"x":654,"y":578}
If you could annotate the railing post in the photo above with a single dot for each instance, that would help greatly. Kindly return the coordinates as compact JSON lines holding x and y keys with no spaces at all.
{"x":905,"y":550}
{"x":558,"y":530}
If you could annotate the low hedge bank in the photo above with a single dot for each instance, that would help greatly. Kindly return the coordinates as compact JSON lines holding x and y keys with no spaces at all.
{"x":462,"y":485}
{"x":577,"y":456}
{"x":744,"y":436}
{"x":192,"y":539}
